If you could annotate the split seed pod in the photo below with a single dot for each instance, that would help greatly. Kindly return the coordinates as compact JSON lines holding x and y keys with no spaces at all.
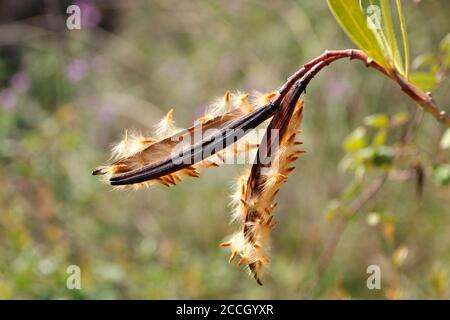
{"x":254,"y":198}
{"x":174,"y":153}
{"x":145,"y":161}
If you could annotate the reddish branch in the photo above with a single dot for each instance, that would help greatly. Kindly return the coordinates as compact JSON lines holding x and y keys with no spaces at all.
{"x":425,"y":100}
{"x":302,"y":76}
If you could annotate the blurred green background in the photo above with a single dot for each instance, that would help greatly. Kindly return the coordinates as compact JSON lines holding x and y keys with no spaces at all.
{"x":67,"y":96}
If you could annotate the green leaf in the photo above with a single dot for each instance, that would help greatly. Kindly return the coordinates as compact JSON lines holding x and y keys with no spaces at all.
{"x":399,"y":118}
{"x":381,"y":24}
{"x":445,"y":140}
{"x":380,"y":138}
{"x":333,"y":210}
{"x":405,"y":39}
{"x":388,"y":27}
{"x":353,"y":21}
{"x":364,"y":156}
{"x":383,"y":156}
{"x":441,"y":174}
{"x":444,"y":45}
{"x":424,"y":80}
{"x":425,"y":60}
{"x":377,"y":120}
{"x":346,"y":163}
{"x":352,"y":190}
{"x":355,"y":140}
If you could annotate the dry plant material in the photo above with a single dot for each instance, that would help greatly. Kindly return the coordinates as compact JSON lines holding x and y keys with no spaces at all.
{"x":174,"y":153}
{"x":254,"y":198}
{"x":144,"y":161}
{"x":135,"y":155}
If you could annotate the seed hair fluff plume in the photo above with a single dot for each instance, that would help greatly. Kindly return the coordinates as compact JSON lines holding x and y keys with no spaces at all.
{"x":144,"y":161}
{"x":173,"y":153}
{"x":254,"y":198}
{"x":134,"y":152}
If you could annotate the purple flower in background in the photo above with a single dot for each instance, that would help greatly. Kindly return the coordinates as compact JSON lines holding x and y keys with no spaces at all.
{"x":77,"y":70}
{"x":90,"y":14}
{"x":20,"y":82}
{"x":8,"y":99}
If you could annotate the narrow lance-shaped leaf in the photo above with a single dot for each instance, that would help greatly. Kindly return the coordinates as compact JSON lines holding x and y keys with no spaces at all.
{"x":388,"y":28}
{"x":404,"y":37}
{"x":353,"y":21}
{"x":379,"y":20}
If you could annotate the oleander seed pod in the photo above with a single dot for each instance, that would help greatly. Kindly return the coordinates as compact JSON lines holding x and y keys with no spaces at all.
{"x":253,"y":200}
{"x":136,"y":151}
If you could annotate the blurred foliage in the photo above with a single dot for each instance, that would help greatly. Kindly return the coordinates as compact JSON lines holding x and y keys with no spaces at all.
{"x":66,"y":96}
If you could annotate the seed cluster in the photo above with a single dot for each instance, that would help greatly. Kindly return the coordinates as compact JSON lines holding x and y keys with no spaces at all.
{"x":254,"y":198}
{"x":135,"y":151}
